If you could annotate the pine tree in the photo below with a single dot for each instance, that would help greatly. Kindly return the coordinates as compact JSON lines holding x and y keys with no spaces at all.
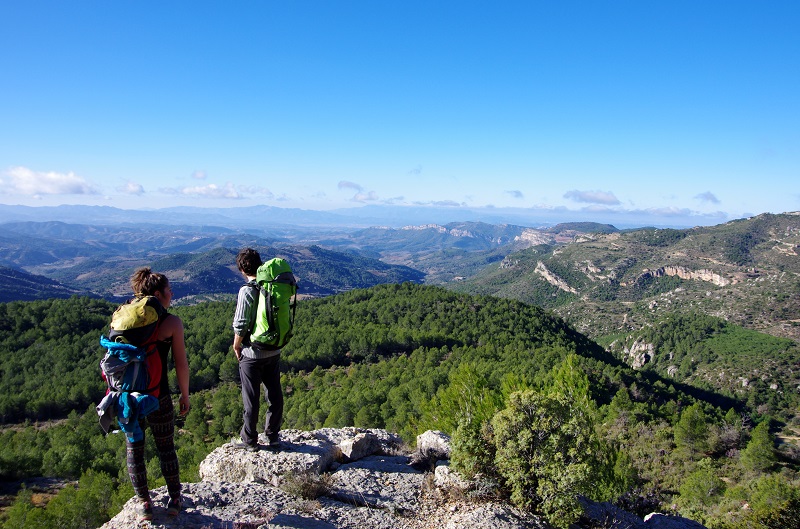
{"x":759,"y":456}
{"x":691,"y":432}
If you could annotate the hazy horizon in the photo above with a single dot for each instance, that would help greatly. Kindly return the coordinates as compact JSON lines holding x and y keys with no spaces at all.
{"x":363,"y":216}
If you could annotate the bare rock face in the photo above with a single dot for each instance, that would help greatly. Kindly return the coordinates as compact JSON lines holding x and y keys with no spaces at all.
{"x":444,"y":477}
{"x":553,"y":279}
{"x":366,"y":482}
{"x":370,"y":484}
{"x":299,"y":451}
{"x":434,"y":442}
{"x":494,"y":516}
{"x":640,"y":353}
{"x":362,"y":445}
{"x":432,"y":446}
{"x":386,"y":482}
{"x":687,"y":274}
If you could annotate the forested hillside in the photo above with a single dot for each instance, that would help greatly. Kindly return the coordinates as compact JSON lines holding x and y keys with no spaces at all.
{"x":16,"y":285}
{"x":708,"y":352}
{"x":200,"y":262}
{"x":746,"y":272}
{"x":408,"y":358}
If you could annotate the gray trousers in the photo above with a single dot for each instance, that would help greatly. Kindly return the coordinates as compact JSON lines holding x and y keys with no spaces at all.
{"x":253,"y":372}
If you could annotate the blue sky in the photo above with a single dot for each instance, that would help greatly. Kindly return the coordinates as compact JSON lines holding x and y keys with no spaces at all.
{"x":679,"y":112}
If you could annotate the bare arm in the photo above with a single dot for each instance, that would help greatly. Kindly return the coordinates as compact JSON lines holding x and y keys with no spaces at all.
{"x":175,"y":328}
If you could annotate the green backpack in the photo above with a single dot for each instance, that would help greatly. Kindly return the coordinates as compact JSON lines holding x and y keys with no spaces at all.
{"x":277,"y":302}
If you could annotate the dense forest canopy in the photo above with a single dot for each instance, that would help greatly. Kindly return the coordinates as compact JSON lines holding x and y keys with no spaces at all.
{"x":407,"y":358}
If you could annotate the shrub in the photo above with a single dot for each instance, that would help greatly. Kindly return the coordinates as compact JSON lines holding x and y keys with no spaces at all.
{"x":548,"y":454}
{"x":308,"y":484}
{"x":473,"y":449}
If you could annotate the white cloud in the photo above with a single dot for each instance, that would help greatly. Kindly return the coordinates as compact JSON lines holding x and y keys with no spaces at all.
{"x":24,"y":181}
{"x":593,"y":197}
{"x":416,"y":170}
{"x":515,"y":193}
{"x":199,"y":175}
{"x":131,"y":188}
{"x":228,"y":191}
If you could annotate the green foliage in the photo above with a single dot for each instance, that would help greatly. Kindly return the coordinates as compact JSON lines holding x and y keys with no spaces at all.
{"x":714,"y":354}
{"x":659,"y":237}
{"x":691,"y":431}
{"x":739,"y":244}
{"x":547,"y":453}
{"x":86,"y":506}
{"x":703,"y":487}
{"x":759,"y":456}
{"x":473,"y":450}
{"x":769,"y":493}
{"x":408,"y":358}
{"x":782,"y":516}
{"x":648,"y":286}
{"x":543,"y":446}
{"x":23,"y":513}
{"x":50,"y":344}
{"x":467,"y":398}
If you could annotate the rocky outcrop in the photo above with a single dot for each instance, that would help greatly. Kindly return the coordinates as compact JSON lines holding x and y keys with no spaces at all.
{"x":364,"y":480}
{"x":685,"y":273}
{"x":534,"y":237}
{"x":553,"y":279}
{"x":639,"y":354}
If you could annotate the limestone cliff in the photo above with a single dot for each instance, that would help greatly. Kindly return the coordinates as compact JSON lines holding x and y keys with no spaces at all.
{"x":687,"y":274}
{"x":553,"y":279}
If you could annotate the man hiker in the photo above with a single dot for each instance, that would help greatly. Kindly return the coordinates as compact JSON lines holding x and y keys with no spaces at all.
{"x":257,"y":364}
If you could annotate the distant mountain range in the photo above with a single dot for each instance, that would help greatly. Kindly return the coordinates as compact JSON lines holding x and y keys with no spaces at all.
{"x":200,"y":259}
{"x":57,"y":259}
{"x":598,"y":277}
{"x":266,"y":220}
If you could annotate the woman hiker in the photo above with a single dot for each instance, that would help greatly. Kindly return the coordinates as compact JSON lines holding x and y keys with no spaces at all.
{"x":161,"y":422}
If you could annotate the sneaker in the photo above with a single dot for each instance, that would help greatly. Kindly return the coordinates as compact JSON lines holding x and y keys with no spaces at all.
{"x":173,"y":507}
{"x":274,"y":444}
{"x":246,"y":446}
{"x":144,"y":510}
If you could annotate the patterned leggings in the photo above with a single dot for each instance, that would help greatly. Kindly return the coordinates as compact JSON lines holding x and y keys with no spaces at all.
{"x":162,"y":424}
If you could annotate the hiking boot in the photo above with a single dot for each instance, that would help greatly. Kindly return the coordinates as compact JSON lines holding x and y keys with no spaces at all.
{"x":173,"y":507}
{"x":246,"y":446}
{"x":144,"y":510}
{"x":274,"y":444}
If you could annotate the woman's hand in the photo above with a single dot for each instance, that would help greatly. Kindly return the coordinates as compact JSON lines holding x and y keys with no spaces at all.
{"x":184,"y":405}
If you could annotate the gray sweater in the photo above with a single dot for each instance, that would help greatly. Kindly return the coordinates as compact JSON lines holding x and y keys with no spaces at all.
{"x":244,"y":321}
